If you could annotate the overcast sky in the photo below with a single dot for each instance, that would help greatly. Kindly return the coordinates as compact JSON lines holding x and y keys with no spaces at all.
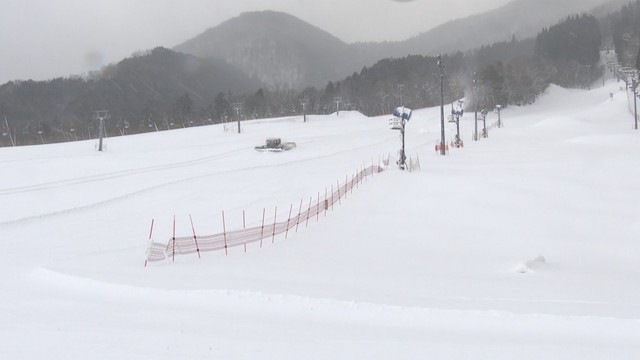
{"x":43,"y":39}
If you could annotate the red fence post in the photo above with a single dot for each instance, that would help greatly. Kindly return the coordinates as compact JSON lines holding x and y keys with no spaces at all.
{"x":195,"y":238}
{"x":275,"y":214}
{"x":326,"y":205}
{"x":244,"y":227}
{"x":149,"y":242}
{"x":288,"y":221}
{"x":346,"y":186}
{"x":331,"y":197}
{"x":318,"y":208}
{"x":353,"y":177}
{"x":308,"y":212}
{"x":174,"y":238}
{"x":299,"y":212}
{"x":224,"y":233}
{"x":262,"y":228}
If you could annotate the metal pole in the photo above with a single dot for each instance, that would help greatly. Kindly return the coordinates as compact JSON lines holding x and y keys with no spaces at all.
{"x":475,"y":99}
{"x":101,"y":115}
{"x":304,"y":103}
{"x":441,"y":66}
{"x":101,"y":130}
{"x":402,"y":156}
{"x":458,"y":130}
{"x":635,"y":107}
{"x":238,"y":116}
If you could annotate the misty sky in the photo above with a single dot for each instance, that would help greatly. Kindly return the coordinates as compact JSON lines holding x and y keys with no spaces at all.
{"x":42,"y":39}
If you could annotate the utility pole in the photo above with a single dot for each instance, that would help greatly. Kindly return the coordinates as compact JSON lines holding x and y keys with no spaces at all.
{"x":304,"y":102}
{"x":441,"y":66}
{"x":101,"y":115}
{"x":237,"y":107}
{"x":475,"y":99}
{"x":337,"y":100}
{"x":635,"y":105}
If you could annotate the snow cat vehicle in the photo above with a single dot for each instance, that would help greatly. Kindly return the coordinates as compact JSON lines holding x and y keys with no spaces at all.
{"x":275,"y":145}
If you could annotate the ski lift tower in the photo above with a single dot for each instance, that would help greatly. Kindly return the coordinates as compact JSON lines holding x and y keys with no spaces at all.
{"x":101,"y":115}
{"x":443,"y":150}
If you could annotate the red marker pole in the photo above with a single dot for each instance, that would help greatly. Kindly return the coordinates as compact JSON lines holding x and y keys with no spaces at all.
{"x":174,"y":238}
{"x":288,"y":221}
{"x":149,"y":242}
{"x":262,"y":228}
{"x":195,"y":238}
{"x":273,"y":237}
{"x":224,"y":233}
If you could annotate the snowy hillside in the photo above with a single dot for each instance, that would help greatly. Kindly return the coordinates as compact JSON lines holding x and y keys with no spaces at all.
{"x":523,"y":245}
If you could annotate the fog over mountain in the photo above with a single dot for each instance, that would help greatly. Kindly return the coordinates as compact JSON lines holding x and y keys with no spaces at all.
{"x":43,"y":39}
{"x":284,"y":51}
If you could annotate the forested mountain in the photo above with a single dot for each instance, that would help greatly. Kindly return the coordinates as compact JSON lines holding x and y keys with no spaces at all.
{"x":521,"y":19}
{"x":283,"y":51}
{"x":160,"y":84}
{"x":162,"y":89}
{"x":624,"y":26}
{"x":573,"y":48}
{"x":277,"y":48}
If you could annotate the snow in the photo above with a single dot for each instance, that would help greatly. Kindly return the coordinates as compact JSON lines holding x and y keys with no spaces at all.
{"x":522,"y":245}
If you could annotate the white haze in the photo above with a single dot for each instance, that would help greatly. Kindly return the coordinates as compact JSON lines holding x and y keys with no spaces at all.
{"x":42,"y":39}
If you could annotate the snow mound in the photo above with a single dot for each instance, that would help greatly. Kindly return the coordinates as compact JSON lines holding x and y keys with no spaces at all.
{"x":531,"y":265}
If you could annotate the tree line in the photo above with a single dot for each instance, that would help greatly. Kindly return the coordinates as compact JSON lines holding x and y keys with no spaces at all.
{"x":163,"y":89}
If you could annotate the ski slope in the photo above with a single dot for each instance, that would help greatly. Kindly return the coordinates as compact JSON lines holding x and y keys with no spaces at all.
{"x":523,"y":245}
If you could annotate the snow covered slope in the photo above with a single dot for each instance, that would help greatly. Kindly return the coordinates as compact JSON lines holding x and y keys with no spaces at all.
{"x":522,"y":245}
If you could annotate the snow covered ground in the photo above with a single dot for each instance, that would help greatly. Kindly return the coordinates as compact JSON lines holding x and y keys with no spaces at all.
{"x":523,"y":245}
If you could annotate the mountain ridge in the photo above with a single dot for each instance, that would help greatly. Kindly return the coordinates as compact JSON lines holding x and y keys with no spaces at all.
{"x":284,"y":51}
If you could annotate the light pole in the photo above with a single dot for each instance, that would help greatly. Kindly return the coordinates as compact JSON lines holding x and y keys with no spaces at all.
{"x":475,"y":99}
{"x":338,"y":100}
{"x":304,"y":102}
{"x":441,"y":66}
{"x":635,"y":105}
{"x":101,"y":115}
{"x":237,"y":107}
{"x":498,"y":108}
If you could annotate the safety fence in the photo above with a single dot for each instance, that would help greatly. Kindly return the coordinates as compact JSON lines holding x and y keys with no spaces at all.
{"x":196,"y":244}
